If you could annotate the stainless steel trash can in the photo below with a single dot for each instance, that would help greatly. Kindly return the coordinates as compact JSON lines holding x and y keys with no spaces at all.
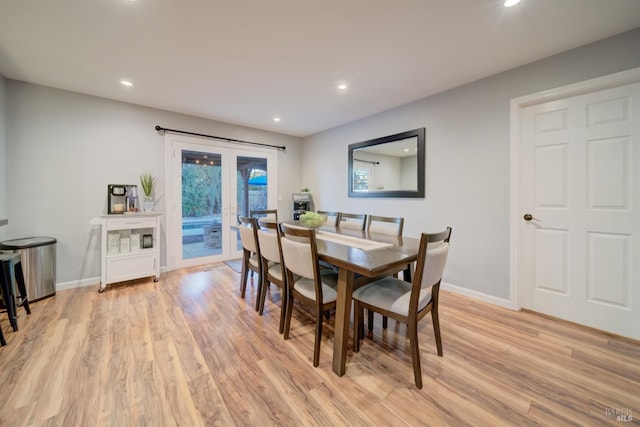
{"x":38,"y":257}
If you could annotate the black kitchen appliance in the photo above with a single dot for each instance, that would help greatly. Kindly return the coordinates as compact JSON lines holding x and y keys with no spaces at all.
{"x":122,"y":198}
{"x":302,"y":202}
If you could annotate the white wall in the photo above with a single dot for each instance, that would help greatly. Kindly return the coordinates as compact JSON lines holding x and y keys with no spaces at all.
{"x":467,"y":159}
{"x":3,"y":150}
{"x":63,"y":149}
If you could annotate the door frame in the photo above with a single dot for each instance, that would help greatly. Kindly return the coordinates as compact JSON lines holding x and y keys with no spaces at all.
{"x":172,"y":237}
{"x":517,"y":105}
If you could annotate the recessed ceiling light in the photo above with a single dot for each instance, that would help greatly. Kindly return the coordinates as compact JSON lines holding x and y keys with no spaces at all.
{"x":342,"y":86}
{"x":509,"y":3}
{"x":276,"y":119}
{"x":126,"y":83}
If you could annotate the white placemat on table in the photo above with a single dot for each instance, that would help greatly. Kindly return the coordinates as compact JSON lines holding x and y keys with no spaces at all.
{"x":356,"y":242}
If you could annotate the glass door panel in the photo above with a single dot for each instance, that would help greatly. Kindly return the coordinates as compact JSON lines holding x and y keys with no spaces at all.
{"x":252,"y":190}
{"x":201,"y":204}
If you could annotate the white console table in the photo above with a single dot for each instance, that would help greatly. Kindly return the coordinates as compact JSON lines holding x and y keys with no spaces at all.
{"x":130,"y":247}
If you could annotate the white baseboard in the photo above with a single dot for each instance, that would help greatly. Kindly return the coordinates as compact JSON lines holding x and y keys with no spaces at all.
{"x":78,"y":283}
{"x":501,"y":302}
{"x":87,"y":282}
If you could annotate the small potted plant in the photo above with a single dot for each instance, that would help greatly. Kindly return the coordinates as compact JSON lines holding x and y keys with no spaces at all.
{"x":148,"y":183}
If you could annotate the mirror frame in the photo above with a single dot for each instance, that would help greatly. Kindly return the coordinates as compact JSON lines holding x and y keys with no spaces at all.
{"x":420,"y":134}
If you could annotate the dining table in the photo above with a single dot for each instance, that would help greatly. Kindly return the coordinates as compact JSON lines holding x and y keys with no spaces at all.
{"x":360,"y":257}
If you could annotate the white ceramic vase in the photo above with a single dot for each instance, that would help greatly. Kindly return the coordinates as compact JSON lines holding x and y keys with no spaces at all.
{"x":147,"y":205}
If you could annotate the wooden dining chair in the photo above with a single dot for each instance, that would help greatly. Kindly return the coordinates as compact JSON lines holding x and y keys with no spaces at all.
{"x":392,"y":226}
{"x":385,"y":225}
{"x":352,"y":221}
{"x":265,"y":213}
{"x":272,"y":265}
{"x":408,"y":302}
{"x":332,"y":217}
{"x":305,"y":281}
{"x":248,"y":228}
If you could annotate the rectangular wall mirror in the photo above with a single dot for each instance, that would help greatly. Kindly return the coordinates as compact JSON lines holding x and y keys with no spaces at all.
{"x":391,"y":166}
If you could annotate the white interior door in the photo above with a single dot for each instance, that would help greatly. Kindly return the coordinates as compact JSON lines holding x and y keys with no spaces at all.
{"x":579,"y":245}
{"x":209,"y":184}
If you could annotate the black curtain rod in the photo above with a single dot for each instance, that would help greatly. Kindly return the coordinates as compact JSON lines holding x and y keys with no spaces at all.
{"x":161,"y":129}
{"x":367,"y":161}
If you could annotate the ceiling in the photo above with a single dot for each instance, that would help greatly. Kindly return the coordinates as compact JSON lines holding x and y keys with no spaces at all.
{"x":248,"y":61}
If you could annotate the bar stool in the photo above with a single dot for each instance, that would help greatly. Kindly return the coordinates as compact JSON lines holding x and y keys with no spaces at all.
{"x":10,"y":269}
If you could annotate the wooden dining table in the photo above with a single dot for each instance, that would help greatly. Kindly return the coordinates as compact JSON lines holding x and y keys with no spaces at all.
{"x":356,"y":267}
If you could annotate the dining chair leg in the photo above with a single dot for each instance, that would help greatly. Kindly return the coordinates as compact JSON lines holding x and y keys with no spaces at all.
{"x":283,"y":311}
{"x":407,"y":273}
{"x":263,"y":294}
{"x":360,"y":324}
{"x":287,"y":322}
{"x":385,"y":321}
{"x":243,"y":281}
{"x":3,"y":342}
{"x":436,"y":330}
{"x":316,"y":344}
{"x":358,"y":327}
{"x":259,"y":292}
{"x":415,"y":353}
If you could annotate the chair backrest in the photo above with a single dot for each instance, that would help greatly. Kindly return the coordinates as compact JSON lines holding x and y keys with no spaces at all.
{"x":264,"y":213}
{"x":432,"y":258}
{"x":352,"y":221}
{"x":385,"y":225}
{"x":248,"y":234}
{"x":299,"y":250}
{"x":269,"y":241}
{"x":332,"y":217}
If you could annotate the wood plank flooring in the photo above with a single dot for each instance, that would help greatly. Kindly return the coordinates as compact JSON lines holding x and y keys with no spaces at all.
{"x":187,"y":351}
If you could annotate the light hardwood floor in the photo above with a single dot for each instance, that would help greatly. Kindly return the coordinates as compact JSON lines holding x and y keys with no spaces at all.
{"x":188,"y":351}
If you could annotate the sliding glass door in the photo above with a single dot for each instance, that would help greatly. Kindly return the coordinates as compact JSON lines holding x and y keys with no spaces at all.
{"x":210,"y":185}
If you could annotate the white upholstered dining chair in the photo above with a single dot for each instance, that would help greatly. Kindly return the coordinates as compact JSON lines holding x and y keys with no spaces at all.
{"x":392,"y":226}
{"x":385,"y":225}
{"x":332,"y":217}
{"x":272,"y":265}
{"x":271,"y":214}
{"x":408,"y":302}
{"x":352,"y":221}
{"x":305,"y":281}
{"x":248,"y":228}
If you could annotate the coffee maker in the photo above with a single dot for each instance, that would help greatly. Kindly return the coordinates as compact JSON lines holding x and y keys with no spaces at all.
{"x":302,"y":202}
{"x":122,"y":198}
